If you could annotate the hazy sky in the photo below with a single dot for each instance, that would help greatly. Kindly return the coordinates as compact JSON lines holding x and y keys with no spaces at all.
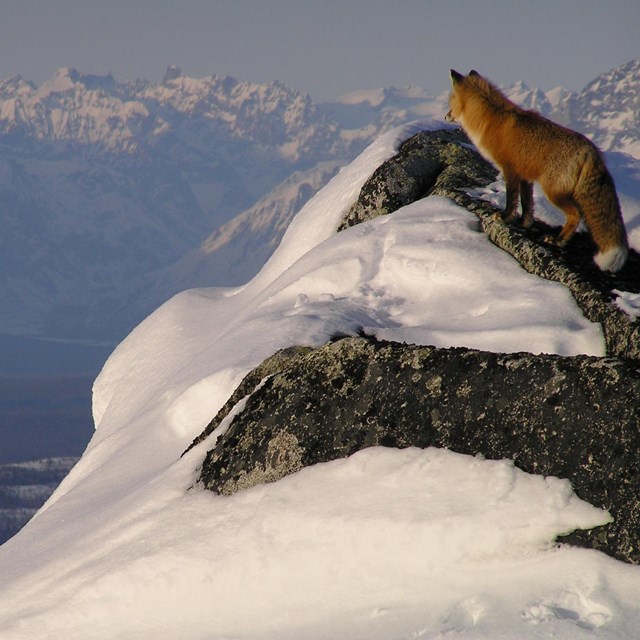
{"x":324,"y":47}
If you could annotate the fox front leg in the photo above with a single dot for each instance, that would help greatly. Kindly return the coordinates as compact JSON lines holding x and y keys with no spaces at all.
{"x":513,"y":193}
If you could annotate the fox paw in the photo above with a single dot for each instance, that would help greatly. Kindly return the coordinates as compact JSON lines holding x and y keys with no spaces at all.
{"x":552,"y":240}
{"x":526,"y":223}
{"x":501,"y":217}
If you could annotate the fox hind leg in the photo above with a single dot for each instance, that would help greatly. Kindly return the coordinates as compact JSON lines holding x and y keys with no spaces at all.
{"x":572,"y":213}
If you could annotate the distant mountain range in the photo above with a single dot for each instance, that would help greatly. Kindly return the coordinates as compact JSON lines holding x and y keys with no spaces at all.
{"x":113,"y":196}
{"x":101,"y":183}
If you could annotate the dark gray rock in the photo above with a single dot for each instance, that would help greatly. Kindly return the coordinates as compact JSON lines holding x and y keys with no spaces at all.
{"x":571,"y":417}
{"x":430,"y":162}
{"x":274,"y":364}
{"x":573,"y":266}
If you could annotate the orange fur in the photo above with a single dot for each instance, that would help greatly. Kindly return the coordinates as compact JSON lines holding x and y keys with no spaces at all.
{"x":529,"y":148}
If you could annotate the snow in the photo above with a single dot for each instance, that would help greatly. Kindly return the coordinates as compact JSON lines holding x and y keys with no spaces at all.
{"x":385,"y":544}
{"x":628,"y":302}
{"x":556,"y":95}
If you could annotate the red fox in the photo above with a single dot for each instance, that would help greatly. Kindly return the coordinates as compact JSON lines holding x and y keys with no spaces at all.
{"x":527,"y":147}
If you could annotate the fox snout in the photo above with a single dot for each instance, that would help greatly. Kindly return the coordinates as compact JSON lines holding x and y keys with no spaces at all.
{"x":449,"y":117}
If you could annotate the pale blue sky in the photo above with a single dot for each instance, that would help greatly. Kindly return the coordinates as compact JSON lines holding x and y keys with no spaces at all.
{"x":324,"y":47}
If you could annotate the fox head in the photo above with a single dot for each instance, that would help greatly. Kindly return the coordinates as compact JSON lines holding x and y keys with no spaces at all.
{"x":458,"y":82}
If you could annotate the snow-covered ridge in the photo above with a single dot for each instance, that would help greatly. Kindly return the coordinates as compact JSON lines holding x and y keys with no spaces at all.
{"x":240,"y":247}
{"x":607,"y":109}
{"x":103,"y":183}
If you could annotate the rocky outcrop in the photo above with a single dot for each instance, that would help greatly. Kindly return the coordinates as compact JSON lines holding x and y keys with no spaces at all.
{"x":428,"y":163}
{"x":594,"y":291}
{"x":443,"y":163}
{"x":571,"y":417}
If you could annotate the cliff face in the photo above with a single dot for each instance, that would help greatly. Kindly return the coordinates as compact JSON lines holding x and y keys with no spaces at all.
{"x":572,"y":417}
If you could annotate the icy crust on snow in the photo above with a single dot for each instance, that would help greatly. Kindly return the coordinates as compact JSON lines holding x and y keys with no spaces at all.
{"x":386,"y":544}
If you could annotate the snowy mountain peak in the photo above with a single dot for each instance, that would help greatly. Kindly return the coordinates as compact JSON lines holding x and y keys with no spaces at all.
{"x":70,"y":79}
{"x":528,"y":98}
{"x":128,"y":547}
{"x":363,"y":114}
{"x":16,"y":86}
{"x":63,"y":80}
{"x":618,"y":79}
{"x":204,"y":150}
{"x":520,"y":85}
{"x":66,"y":73}
{"x":557,"y":95}
{"x":608,"y":109}
{"x":130,"y":117}
{"x":173,"y":71}
{"x":378,"y":97}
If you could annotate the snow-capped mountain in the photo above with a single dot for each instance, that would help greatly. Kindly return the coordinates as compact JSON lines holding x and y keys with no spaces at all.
{"x":607,"y":109}
{"x":136,"y":117}
{"x":362,"y":115}
{"x":105,"y":185}
{"x":529,"y":98}
{"x":102,"y":182}
{"x":233,"y":253}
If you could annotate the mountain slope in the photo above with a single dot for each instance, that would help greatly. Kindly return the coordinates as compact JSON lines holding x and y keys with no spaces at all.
{"x":362,"y":115}
{"x":101,"y":182}
{"x":237,"y":250}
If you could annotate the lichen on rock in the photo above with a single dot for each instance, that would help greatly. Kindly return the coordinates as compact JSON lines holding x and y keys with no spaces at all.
{"x":572,"y":417}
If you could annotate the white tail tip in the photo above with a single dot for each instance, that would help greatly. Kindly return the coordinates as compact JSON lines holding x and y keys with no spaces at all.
{"x":612,"y":259}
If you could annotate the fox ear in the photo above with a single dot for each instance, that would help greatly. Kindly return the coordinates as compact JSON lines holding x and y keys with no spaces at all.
{"x":456,"y":77}
{"x":473,"y":72}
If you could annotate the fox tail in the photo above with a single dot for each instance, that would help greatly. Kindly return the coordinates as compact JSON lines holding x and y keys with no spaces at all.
{"x":598,"y":201}
{"x":612,"y":259}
